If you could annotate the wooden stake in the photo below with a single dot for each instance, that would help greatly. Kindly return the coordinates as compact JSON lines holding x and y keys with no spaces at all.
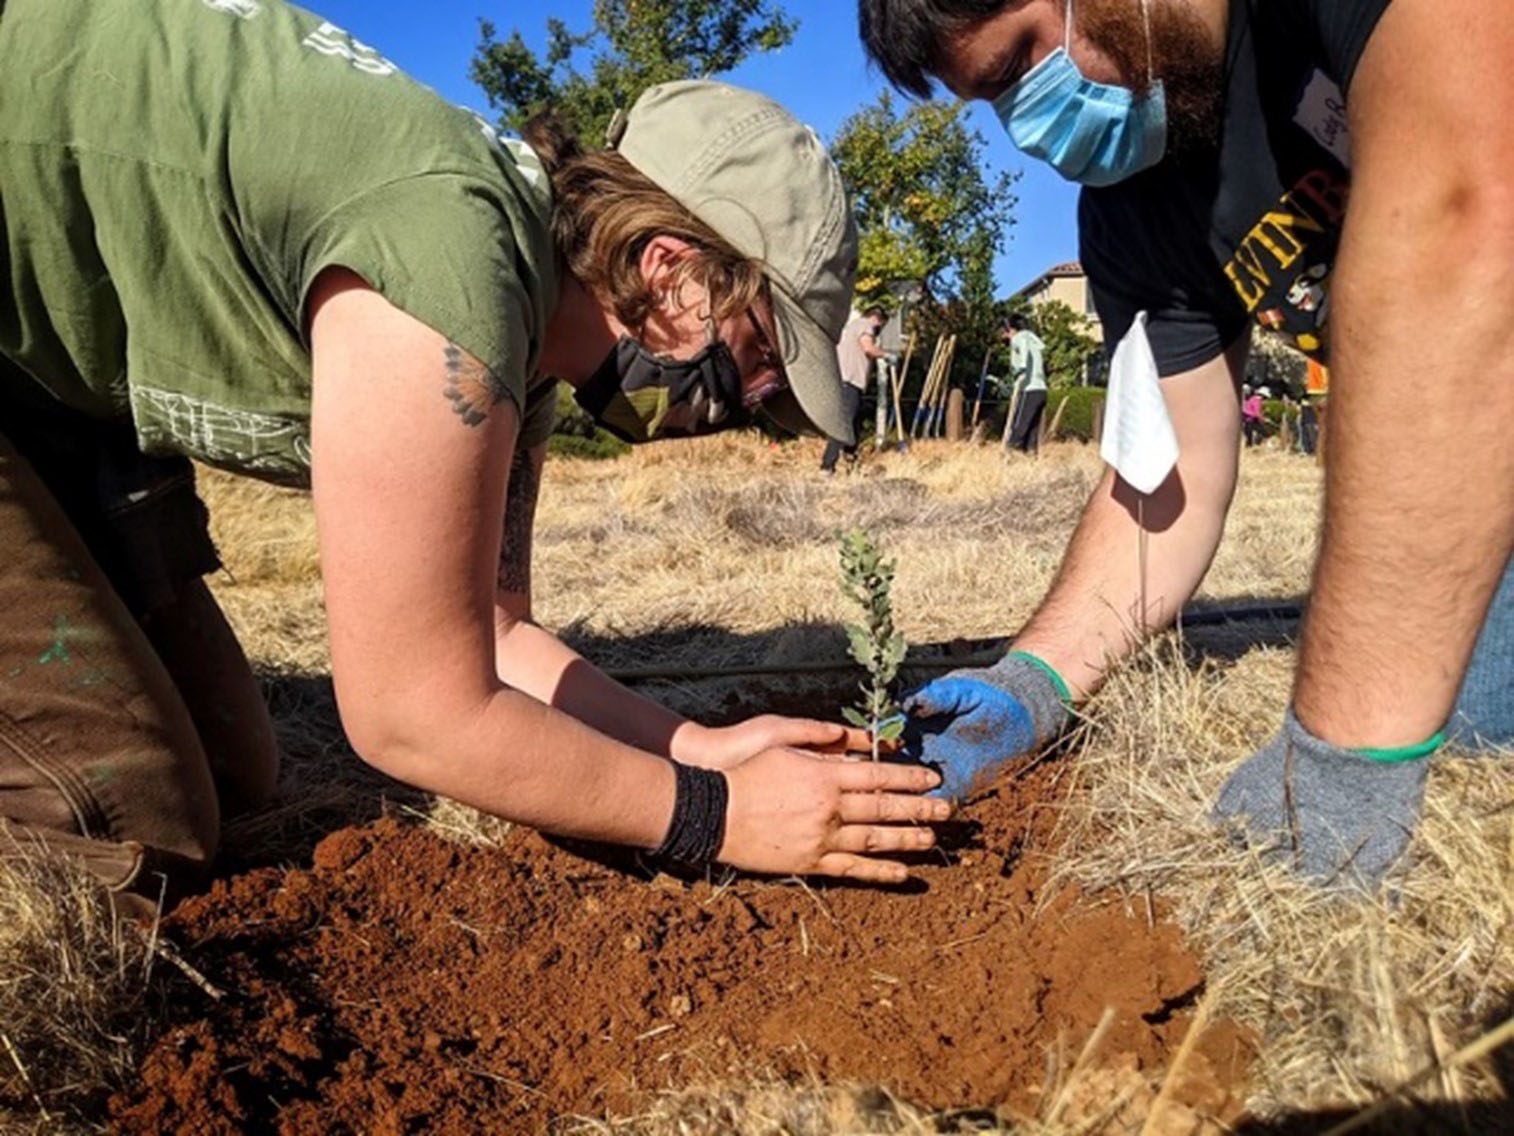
{"x":1014,"y":407}
{"x":956,"y":404}
{"x":982,"y":380}
{"x":928,"y":391}
{"x":1056,"y":421}
{"x":937,"y":408}
{"x":899,"y":379}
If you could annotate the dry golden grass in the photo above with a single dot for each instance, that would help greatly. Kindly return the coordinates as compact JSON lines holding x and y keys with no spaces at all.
{"x":721,"y":551}
{"x":74,"y":993}
{"x":1103,"y":1099}
{"x":1350,"y":996}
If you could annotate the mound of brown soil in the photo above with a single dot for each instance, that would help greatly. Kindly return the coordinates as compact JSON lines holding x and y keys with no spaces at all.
{"x":404,"y":984}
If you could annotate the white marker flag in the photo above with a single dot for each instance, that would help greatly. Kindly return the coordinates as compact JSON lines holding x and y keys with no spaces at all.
{"x":1139,"y":440}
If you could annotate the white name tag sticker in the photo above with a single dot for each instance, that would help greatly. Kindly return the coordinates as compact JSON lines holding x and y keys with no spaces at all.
{"x":1322,"y":112}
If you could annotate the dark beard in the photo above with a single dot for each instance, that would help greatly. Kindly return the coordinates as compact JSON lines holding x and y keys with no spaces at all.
{"x":1184,"y":56}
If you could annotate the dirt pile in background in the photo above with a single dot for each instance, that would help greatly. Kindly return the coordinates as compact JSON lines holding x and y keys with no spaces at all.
{"x":405,"y":983}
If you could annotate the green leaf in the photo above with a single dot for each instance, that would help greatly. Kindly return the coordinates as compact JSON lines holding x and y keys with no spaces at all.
{"x":890,"y":730}
{"x":861,"y":643}
{"x":856,"y":718}
{"x":874,"y":644}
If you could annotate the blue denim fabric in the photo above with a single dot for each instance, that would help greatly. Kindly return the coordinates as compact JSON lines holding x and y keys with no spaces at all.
{"x":1484,"y":714}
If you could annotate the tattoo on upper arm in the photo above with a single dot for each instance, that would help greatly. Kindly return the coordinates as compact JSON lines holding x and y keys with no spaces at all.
{"x":520,"y":513}
{"x":471,"y":387}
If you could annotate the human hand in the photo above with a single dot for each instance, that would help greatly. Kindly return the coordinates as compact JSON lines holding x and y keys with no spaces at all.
{"x":793,"y":813}
{"x":724,"y":747}
{"x":1339,"y":818}
{"x":970,"y":723}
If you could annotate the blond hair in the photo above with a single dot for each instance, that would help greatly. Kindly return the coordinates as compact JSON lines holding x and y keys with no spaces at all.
{"x":605,"y":210}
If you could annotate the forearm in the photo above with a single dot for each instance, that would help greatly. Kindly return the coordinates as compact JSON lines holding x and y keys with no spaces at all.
{"x":516,"y":758}
{"x":1411,"y":552}
{"x":533,"y":660}
{"x":1418,"y":519}
{"x":1133,"y":563}
{"x":1107,"y":597}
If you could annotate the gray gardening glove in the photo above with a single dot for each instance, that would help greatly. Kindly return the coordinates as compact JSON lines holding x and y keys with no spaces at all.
{"x":1338,"y":817}
{"x":969,"y":723}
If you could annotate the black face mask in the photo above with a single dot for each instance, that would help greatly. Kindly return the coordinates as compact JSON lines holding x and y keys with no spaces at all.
{"x":640,"y":397}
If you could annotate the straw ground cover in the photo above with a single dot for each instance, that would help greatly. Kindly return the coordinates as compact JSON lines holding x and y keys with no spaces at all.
{"x":721,"y":552}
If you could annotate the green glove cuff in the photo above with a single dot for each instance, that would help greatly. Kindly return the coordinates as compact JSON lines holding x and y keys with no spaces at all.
{"x":1405,"y":753}
{"x":1050,"y":671}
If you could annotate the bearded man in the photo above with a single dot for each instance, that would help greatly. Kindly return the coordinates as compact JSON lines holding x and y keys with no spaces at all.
{"x":1230,"y":149}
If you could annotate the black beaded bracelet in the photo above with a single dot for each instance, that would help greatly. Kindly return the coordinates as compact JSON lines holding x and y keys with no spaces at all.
{"x":697,"y":829}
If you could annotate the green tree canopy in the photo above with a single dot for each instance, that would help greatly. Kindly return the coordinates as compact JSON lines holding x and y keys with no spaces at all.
{"x":1276,"y":364}
{"x":1069,"y":340}
{"x":926,"y":213}
{"x":631,"y":45}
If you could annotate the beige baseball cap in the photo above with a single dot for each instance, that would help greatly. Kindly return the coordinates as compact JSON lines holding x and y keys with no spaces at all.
{"x":761,"y":179}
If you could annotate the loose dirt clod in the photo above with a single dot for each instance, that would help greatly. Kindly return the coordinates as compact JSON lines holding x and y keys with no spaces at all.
{"x":406,"y":983}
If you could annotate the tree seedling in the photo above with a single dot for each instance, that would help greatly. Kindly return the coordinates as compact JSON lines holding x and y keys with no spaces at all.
{"x":879,"y":649}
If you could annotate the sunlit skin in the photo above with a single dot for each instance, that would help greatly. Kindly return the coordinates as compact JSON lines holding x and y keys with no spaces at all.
{"x":991,"y":56}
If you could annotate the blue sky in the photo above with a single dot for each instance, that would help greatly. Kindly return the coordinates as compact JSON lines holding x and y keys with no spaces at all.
{"x":822,"y":76}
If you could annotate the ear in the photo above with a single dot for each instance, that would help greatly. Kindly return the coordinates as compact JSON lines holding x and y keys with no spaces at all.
{"x":658,"y":261}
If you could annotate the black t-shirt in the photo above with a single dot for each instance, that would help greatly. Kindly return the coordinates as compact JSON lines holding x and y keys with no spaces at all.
{"x":1253,"y":231}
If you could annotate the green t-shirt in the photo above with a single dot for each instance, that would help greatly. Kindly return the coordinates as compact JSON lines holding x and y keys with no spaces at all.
{"x":175,"y":173}
{"x":1027,"y":361}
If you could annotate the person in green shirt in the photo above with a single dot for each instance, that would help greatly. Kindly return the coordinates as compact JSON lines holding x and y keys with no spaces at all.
{"x":229,"y":232}
{"x":1027,"y":371}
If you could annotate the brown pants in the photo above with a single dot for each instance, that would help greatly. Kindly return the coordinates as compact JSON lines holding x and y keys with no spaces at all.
{"x":124,"y":736}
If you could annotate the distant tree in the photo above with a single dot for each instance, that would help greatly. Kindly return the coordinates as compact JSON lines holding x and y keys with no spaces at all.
{"x":926,"y":213}
{"x":631,"y":45}
{"x":1069,"y":340}
{"x":1275,"y":364}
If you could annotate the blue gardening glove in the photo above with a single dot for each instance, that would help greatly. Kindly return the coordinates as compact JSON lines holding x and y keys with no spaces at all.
{"x":1341,"y":817}
{"x":968,"y":723}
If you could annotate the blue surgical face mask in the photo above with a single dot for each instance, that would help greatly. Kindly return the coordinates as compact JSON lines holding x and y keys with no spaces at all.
{"x":1094,"y":133}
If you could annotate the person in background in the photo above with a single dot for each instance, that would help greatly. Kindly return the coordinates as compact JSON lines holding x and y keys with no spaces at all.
{"x":857,"y":352}
{"x":1253,"y":424}
{"x":1308,"y":425}
{"x":1027,"y":372}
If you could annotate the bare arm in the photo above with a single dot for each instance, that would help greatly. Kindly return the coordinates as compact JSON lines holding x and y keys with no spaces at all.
{"x":411,"y":441}
{"x":870,"y":347}
{"x":1419,"y":520}
{"x":409,"y":476}
{"x":533,"y":660}
{"x":1092,"y":615}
